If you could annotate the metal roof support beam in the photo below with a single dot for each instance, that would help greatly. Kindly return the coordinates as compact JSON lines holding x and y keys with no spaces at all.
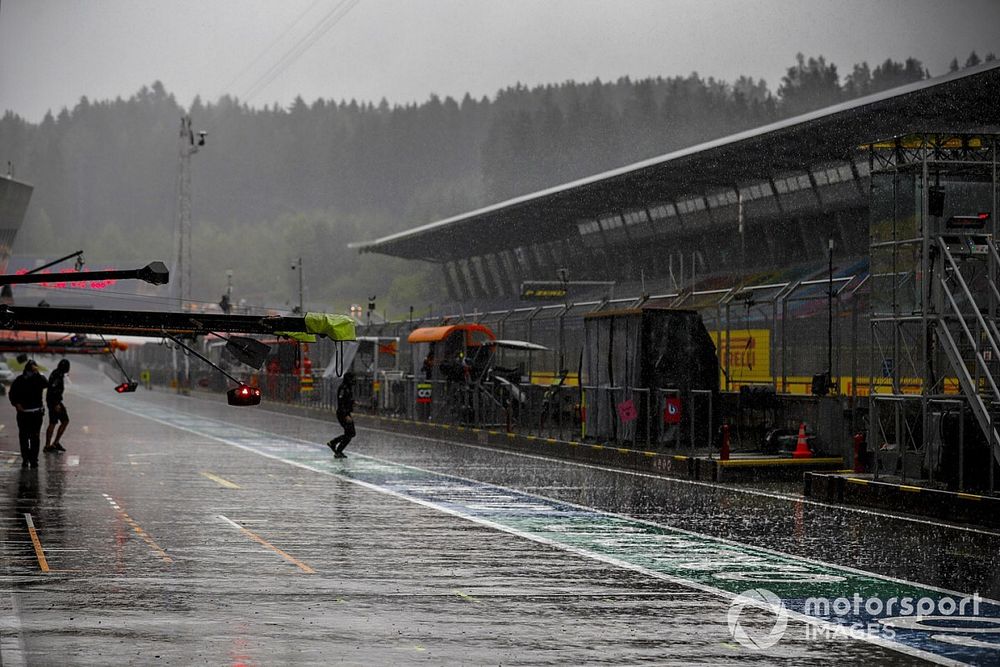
{"x":815,"y":189}
{"x":680,"y":222}
{"x":857,"y":179}
{"x":606,"y":246}
{"x":554,"y":258}
{"x":844,"y":241}
{"x":493,"y":271}
{"x":705,"y":239}
{"x":468,"y":272}
{"x":510,"y":270}
{"x":571,"y":254}
{"x":536,"y":262}
{"x":777,"y":202}
{"x":523,"y":262}
{"x":583,"y":255}
{"x":542,"y":258}
{"x":777,"y":197}
{"x":768,"y":238}
{"x":803,"y":236}
{"x":630,"y":244}
{"x":463,"y":280}
{"x":479,"y":275}
{"x":449,"y":281}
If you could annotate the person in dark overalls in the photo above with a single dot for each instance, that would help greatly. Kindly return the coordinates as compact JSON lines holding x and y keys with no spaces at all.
{"x":26,"y":396}
{"x":57,"y":411}
{"x":345,"y":406}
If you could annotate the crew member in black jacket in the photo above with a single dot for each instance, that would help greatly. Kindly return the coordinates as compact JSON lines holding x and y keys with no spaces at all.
{"x":26,"y":396}
{"x":57,"y":411}
{"x":345,"y":406}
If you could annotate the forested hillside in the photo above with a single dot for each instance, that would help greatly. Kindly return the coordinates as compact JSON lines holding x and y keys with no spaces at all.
{"x":276,"y":183}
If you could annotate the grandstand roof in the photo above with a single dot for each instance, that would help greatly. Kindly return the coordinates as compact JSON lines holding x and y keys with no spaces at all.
{"x":963,"y":101}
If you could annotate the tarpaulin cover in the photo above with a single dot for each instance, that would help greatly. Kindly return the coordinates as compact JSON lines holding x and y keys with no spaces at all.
{"x":334,"y":327}
{"x":631,"y":356}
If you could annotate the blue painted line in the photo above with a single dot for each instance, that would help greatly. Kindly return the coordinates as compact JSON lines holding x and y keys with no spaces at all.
{"x":706,"y":563}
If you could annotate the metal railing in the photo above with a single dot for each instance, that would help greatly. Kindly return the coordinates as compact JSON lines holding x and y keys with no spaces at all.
{"x":561,"y":412}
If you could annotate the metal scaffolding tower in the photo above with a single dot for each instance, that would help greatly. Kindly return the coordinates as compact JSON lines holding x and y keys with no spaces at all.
{"x":935,"y":353}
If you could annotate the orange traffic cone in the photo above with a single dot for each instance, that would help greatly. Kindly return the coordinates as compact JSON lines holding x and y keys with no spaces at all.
{"x":801,"y":446}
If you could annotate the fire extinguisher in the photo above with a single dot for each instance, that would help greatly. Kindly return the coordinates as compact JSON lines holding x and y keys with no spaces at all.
{"x":860,"y":451}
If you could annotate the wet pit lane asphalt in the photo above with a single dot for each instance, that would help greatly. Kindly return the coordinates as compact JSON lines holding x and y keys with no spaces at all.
{"x":178,"y":530}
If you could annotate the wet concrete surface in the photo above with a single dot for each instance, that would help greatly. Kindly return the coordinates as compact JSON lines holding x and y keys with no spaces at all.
{"x":150,"y":542}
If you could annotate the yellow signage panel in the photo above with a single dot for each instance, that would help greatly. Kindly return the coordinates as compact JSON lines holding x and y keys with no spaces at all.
{"x":748,"y":355}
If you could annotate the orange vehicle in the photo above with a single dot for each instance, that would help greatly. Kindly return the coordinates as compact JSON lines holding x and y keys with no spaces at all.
{"x":459,"y":352}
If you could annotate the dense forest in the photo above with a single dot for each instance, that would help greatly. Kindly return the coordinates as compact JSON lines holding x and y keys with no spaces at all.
{"x":274,"y":183}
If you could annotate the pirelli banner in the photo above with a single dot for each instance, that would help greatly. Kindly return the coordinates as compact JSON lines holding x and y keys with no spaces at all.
{"x":543,"y":290}
{"x":747,"y":356}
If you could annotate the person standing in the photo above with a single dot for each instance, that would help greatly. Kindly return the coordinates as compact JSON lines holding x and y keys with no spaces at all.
{"x":345,"y":406}
{"x":57,"y":411}
{"x":26,"y":397}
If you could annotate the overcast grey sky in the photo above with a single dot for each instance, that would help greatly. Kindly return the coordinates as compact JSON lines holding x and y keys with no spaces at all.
{"x":54,"y":51}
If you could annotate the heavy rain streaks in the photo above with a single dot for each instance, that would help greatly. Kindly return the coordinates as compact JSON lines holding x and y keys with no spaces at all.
{"x":499,"y":333}
{"x":167,"y":544}
{"x":195,"y":536}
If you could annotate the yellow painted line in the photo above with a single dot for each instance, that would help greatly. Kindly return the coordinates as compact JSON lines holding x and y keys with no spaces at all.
{"x":39,"y":552}
{"x":911,"y":489}
{"x":445,"y":425}
{"x":970,"y":496}
{"x":573,"y":443}
{"x":494,"y":432}
{"x":511,"y":435}
{"x":623,"y":450}
{"x":139,"y":531}
{"x":645,"y":453}
{"x":855,"y":480}
{"x":737,"y":463}
{"x":459,"y":428}
{"x":597,"y":446}
{"x":219,"y":480}
{"x":465,"y":596}
{"x":678,"y":457}
{"x":260,"y":540}
{"x":531,"y":437}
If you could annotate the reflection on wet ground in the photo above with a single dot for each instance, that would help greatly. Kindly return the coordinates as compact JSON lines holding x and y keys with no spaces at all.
{"x":163,"y":545}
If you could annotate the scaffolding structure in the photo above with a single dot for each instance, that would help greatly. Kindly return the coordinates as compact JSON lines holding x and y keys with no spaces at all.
{"x":933,"y":307}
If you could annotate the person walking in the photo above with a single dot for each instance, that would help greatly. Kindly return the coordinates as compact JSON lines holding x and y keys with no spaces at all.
{"x":57,"y":411}
{"x":26,"y":396}
{"x":345,"y":406}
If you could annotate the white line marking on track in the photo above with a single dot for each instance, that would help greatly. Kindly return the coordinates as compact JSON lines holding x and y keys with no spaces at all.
{"x":627,"y":517}
{"x":827,"y":626}
{"x":691,"y":482}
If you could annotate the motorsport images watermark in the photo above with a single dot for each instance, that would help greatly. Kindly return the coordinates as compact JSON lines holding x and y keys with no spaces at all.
{"x":856,"y":617}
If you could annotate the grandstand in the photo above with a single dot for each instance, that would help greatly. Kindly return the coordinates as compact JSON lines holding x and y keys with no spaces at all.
{"x":738,"y":228}
{"x":14,"y":198}
{"x":794,"y":184}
